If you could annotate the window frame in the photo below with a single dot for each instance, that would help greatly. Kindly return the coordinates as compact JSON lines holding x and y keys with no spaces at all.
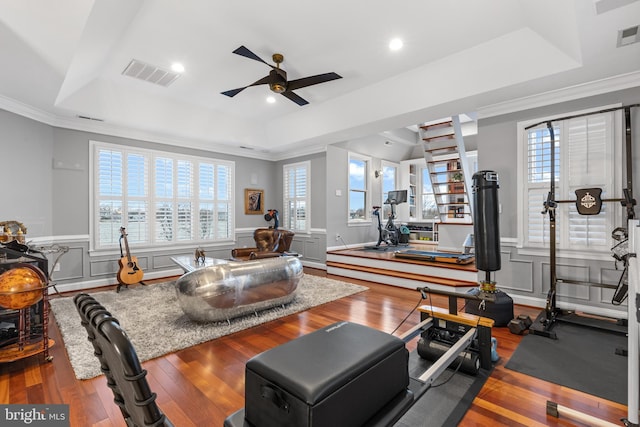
{"x":366,"y":190}
{"x":386,"y":209}
{"x":425,"y":195}
{"x":613,"y":211}
{"x":151,"y":199}
{"x":286,"y":221}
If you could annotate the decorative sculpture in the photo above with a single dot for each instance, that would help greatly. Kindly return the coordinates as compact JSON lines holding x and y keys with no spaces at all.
{"x":200,"y":256}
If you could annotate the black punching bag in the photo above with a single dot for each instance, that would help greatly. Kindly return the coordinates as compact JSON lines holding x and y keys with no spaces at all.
{"x":486,"y":230}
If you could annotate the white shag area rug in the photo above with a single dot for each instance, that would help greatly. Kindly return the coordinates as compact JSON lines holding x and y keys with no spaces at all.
{"x":156,"y":325}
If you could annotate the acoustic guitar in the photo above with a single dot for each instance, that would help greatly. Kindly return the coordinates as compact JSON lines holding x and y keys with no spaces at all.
{"x":129,"y":272}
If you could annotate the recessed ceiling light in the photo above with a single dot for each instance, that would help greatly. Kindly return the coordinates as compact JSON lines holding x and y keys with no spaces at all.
{"x":271,"y":100}
{"x":177,"y":67}
{"x":395,"y":44}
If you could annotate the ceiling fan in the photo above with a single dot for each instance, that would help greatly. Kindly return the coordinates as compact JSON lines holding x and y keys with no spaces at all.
{"x":277,"y":78}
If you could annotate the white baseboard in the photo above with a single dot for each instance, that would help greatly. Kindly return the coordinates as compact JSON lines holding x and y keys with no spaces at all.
{"x":312,"y":264}
{"x":98,"y":283}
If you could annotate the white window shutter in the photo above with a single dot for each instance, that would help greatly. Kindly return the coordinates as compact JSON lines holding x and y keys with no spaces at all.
{"x":296,"y":197}
{"x":584,"y":159}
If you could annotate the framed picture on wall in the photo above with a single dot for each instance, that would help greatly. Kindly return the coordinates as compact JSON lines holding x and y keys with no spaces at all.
{"x":253,"y":201}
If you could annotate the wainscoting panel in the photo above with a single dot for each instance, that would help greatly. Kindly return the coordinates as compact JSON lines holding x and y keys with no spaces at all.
{"x":312,"y":249}
{"x":98,"y":268}
{"x":515,"y":274}
{"x":609,"y":276}
{"x":164,"y":261}
{"x":245,"y":241}
{"x":71,"y":264}
{"x":566,"y":271}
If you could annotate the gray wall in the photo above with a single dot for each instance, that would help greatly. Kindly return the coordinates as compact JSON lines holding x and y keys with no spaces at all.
{"x":46,"y":177}
{"x":338,"y":206}
{"x":318,"y":183}
{"x":71,"y":185}
{"x":312,"y":246}
{"x":526,"y":276}
{"x":25,"y":156}
{"x":497,"y":149}
{"x":46,"y":186}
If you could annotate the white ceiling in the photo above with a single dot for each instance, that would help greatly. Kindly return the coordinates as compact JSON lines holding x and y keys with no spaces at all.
{"x":64,"y":58}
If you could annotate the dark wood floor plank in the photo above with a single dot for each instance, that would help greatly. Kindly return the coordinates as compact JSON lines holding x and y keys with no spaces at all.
{"x":201,"y":385}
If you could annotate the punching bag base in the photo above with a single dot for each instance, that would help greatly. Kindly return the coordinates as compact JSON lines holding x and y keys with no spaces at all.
{"x":500,"y":310}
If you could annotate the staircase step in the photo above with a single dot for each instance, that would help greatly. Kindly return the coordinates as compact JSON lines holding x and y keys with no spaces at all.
{"x":435,"y":183}
{"x":404,"y":275}
{"x":433,"y":125}
{"x":446,"y":136}
{"x":434,"y":173}
{"x":434,"y":162}
{"x":452,"y":148}
{"x":450,"y":193}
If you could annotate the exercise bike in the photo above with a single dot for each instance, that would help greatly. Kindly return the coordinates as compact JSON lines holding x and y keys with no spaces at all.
{"x":390,"y":233}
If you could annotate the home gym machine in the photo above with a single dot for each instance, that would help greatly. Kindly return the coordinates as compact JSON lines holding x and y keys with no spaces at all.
{"x":390,"y":234}
{"x":588,"y":202}
{"x":364,"y":380}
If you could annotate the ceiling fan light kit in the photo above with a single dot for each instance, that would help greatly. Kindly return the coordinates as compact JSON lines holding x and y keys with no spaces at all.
{"x":277,"y":78}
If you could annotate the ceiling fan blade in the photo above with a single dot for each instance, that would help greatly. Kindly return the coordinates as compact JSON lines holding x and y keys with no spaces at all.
{"x":313,"y":80}
{"x":233,"y":92}
{"x":243,"y":51}
{"x":295,"y":98}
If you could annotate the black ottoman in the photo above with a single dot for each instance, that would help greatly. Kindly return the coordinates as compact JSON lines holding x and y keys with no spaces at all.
{"x":341,"y":375}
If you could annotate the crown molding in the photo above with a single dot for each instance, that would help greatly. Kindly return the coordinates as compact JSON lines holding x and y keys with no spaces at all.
{"x":306,"y":151}
{"x":41,"y":116}
{"x":25,"y":110}
{"x":597,"y":87}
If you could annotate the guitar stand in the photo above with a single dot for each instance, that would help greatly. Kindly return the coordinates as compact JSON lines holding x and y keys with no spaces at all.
{"x":127,"y":286}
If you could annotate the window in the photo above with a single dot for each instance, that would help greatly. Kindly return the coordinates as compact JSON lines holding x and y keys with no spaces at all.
{"x":586,"y":151}
{"x":159,"y":197}
{"x":389,"y":183}
{"x":296,"y":200}
{"x":359,"y":203}
{"x":429,"y":207}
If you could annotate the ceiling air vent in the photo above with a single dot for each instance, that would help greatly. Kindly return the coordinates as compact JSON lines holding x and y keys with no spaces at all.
{"x":628,"y":36}
{"x":150,"y":73}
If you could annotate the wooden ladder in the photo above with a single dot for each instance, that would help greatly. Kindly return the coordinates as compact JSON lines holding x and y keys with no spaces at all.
{"x":449,"y":172}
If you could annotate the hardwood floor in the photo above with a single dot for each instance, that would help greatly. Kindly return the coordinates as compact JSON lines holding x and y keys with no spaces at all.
{"x":202,"y":385}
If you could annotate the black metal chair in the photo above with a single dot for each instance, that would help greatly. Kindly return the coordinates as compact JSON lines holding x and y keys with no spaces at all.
{"x":120,"y":365}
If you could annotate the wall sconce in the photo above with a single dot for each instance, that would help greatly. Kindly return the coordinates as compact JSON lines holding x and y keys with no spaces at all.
{"x":377,"y":173}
